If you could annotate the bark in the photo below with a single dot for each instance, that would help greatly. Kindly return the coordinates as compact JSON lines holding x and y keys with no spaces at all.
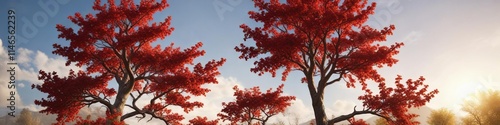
{"x":317,"y":99}
{"x":319,"y":111}
{"x":121,"y":98}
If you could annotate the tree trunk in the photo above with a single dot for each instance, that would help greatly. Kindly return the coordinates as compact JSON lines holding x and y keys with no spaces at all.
{"x":319,"y":110}
{"x":121,"y":98}
{"x":317,"y":100}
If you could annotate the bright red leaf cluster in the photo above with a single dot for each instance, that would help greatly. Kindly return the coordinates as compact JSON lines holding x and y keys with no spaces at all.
{"x":100,"y":121}
{"x":252,"y":104}
{"x":116,"y":44}
{"x":353,"y":121}
{"x":395,"y":102}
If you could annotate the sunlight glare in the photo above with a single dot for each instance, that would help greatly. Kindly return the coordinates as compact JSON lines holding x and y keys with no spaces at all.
{"x":465,"y":90}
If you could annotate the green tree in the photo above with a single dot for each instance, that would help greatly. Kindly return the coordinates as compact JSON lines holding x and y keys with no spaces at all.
{"x":482,"y":108}
{"x":441,"y":116}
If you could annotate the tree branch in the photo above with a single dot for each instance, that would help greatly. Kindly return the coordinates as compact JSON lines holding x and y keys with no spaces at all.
{"x":337,"y":79}
{"x":354,"y":113}
{"x":100,"y":100}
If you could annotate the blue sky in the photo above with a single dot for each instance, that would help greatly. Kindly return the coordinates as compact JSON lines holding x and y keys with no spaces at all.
{"x":454,"y":44}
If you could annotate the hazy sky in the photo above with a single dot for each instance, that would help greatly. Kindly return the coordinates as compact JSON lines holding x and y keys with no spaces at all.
{"x":454,"y":44}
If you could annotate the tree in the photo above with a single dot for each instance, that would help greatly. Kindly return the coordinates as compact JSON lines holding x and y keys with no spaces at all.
{"x":482,"y":108}
{"x":441,"y":117}
{"x":327,"y":41}
{"x":116,"y":44}
{"x":251,"y":104}
{"x":26,"y":118}
{"x":468,"y":120}
{"x":280,"y":122}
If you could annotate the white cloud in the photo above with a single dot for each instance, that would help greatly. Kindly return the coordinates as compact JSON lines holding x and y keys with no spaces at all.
{"x":32,"y":107}
{"x":4,"y":80}
{"x":221,"y":92}
{"x":32,"y":62}
{"x":297,"y":112}
{"x":24,"y":56}
{"x":42,"y":62}
{"x":342,"y":107}
{"x":21,"y":85}
{"x":29,"y":75}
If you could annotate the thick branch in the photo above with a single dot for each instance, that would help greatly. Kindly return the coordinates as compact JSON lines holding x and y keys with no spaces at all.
{"x":130,"y":114}
{"x":354,"y":113}
{"x":133,"y":106}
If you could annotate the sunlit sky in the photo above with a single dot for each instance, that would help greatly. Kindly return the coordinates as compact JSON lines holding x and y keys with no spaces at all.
{"x":454,"y":44}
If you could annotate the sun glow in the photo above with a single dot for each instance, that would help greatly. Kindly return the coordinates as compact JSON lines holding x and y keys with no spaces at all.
{"x":468,"y":91}
{"x":462,"y":92}
{"x":465,"y":90}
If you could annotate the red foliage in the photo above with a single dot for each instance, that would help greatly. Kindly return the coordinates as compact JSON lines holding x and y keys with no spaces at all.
{"x":116,"y":43}
{"x":326,"y":40}
{"x":66,"y":94}
{"x":317,"y":34}
{"x":394,"y":102}
{"x":100,"y":120}
{"x":252,"y":104}
{"x":353,"y":121}
{"x":202,"y":121}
